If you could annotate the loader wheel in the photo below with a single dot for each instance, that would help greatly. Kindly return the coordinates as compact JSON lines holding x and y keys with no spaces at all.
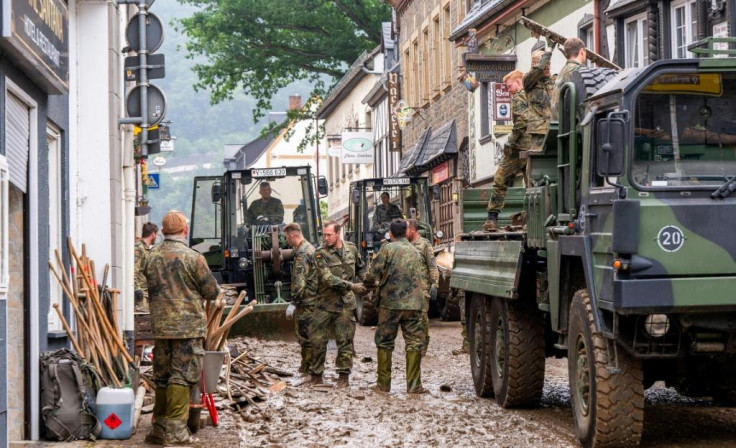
{"x":449,"y":308}
{"x":517,"y":344}
{"x":608,"y":407}
{"x":480,"y":349}
{"x":365,"y":311}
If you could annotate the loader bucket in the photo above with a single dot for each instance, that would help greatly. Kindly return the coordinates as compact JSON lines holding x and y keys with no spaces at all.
{"x":266,"y":321}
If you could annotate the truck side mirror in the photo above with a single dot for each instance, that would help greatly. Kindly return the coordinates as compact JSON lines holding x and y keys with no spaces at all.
{"x":322,"y":186}
{"x":610,"y":144}
{"x":216,"y":193}
{"x":355,"y":198}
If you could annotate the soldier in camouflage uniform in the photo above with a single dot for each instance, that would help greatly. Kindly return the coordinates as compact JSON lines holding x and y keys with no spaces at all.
{"x":531,"y":113}
{"x":142,"y":247}
{"x":574,"y":50}
{"x":267,"y":210}
{"x":385,"y":212}
{"x":338,"y":263}
{"x":433,"y":275}
{"x":178,"y":280}
{"x":304,"y":284}
{"x":400,"y":275}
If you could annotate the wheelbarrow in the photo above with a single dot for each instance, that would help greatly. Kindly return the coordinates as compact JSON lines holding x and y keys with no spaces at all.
{"x":201,"y":395}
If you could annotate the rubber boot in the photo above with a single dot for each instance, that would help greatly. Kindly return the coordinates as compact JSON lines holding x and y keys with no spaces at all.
{"x":414,"y":373}
{"x":157,"y":435}
{"x":491,"y":224}
{"x":343,"y":380}
{"x":177,"y":413}
{"x":306,"y":359}
{"x":383,"y":379}
{"x":316,"y":379}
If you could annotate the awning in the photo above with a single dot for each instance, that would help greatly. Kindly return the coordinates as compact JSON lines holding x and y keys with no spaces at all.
{"x":414,"y":153}
{"x":441,"y":146}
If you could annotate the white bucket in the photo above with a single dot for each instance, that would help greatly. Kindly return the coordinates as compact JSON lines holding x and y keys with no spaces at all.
{"x":211,"y":371}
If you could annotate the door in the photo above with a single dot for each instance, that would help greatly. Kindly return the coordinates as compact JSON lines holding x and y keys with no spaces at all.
{"x":3,"y":301}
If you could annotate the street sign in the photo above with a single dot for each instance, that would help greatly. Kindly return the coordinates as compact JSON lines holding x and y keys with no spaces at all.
{"x":153,"y":181}
{"x":167,"y":145}
{"x":156,"y":67}
{"x":154,"y":33}
{"x":159,"y":161}
{"x":156,"y":104}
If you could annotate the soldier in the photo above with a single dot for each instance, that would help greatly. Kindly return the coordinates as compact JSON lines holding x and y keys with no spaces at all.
{"x":433,"y":275}
{"x":142,"y":247}
{"x":304,"y":284}
{"x":178,"y":280}
{"x":338,"y":263}
{"x":267,"y":210}
{"x":531,"y":111}
{"x":400,"y":275}
{"x":574,"y":50}
{"x":386,"y":211}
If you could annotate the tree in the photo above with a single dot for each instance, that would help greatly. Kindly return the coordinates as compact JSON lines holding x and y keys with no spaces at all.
{"x":261,"y":46}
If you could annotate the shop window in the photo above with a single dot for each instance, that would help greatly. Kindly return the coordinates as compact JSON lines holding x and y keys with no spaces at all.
{"x":636,"y":42}
{"x":684,"y":27}
{"x":486,"y":110}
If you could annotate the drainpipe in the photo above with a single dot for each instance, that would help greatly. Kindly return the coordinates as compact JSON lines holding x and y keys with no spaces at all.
{"x":129,"y":184}
{"x":597,"y":27}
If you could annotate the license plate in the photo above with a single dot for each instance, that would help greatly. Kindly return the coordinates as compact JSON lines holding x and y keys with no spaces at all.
{"x":397,"y":181}
{"x":268,"y":172}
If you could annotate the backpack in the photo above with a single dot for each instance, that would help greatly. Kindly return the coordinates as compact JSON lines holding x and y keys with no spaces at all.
{"x":68,"y":388}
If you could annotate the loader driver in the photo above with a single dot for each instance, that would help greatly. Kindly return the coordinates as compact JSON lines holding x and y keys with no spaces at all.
{"x":267,"y":210}
{"x":386,"y":212}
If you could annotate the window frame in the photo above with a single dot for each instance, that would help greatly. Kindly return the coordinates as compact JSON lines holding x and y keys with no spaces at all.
{"x":690,"y":22}
{"x":641,"y":36}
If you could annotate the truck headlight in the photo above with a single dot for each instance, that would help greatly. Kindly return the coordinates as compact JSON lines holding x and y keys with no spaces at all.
{"x":657,"y":325}
{"x":235,"y":253}
{"x":243,"y":263}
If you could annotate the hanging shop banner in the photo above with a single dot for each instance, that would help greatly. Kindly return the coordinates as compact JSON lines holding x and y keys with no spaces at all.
{"x":37,"y":32}
{"x":394,"y":130}
{"x":490,"y":67}
{"x":501,"y":102}
{"x":357,"y":147}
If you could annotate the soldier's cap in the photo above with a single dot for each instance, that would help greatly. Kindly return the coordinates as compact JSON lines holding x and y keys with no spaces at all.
{"x":174,"y":222}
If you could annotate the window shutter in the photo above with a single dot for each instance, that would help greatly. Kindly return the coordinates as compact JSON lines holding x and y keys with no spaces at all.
{"x":17,"y":140}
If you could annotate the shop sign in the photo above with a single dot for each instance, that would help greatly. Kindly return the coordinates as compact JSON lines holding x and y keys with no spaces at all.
{"x":441,"y":172}
{"x":357,"y":147}
{"x":501,"y":102}
{"x":490,"y":67}
{"x":394,"y":130}
{"x":37,"y":31}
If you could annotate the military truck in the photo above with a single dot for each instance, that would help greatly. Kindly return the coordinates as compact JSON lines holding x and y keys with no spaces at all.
{"x":412,"y":196}
{"x":624,"y":259}
{"x":247,"y":250}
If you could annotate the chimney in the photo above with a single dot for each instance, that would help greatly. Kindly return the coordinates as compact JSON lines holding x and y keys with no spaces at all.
{"x":295,"y":102}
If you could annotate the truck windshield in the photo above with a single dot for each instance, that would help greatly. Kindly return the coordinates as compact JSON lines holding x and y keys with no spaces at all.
{"x":405,"y":201}
{"x":685,"y":131}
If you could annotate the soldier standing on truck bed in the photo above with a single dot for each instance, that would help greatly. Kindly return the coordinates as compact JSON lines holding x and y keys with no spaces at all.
{"x":433,"y":275}
{"x":304,"y":284}
{"x":338,"y":263}
{"x":574,"y":50}
{"x":178,"y":280}
{"x":399,"y":273}
{"x":142,"y":247}
{"x":531,"y":110}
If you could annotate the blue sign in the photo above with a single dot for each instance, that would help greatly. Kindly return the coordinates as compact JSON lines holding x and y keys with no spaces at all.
{"x":153,"y":181}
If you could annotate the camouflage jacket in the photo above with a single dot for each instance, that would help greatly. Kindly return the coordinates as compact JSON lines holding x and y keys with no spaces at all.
{"x":427,"y":252}
{"x":178,"y":280}
{"x":401,"y":274}
{"x":337,"y":271}
{"x":304,"y":279}
{"x":565,"y":74}
{"x":272,"y":209}
{"x":139,"y":279}
{"x":383,"y":216}
{"x":539,"y":93}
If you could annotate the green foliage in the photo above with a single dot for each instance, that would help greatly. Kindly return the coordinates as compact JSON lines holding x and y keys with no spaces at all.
{"x":323,"y":210}
{"x":261,"y":46}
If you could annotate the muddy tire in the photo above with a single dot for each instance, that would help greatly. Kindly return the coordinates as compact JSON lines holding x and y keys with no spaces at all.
{"x":449,"y":307}
{"x":480,"y":349}
{"x":608,"y":408}
{"x":365,"y":311}
{"x":724,"y":397}
{"x":517,"y":353}
{"x":587,"y":82}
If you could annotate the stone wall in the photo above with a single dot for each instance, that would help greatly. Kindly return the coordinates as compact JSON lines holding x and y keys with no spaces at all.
{"x":16,"y":316}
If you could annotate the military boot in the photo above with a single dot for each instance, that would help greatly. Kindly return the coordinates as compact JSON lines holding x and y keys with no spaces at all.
{"x":383,"y":379}
{"x":414,"y":373}
{"x":306,"y":359}
{"x":491,"y":224}
{"x":343,"y":380}
{"x":177,"y":413}
{"x":157,"y":435}
{"x":316,"y":379}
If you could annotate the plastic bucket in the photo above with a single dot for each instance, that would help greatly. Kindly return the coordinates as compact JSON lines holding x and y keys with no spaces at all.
{"x":211,"y":370}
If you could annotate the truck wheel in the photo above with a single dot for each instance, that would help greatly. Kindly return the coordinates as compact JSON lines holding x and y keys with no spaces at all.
{"x":365,"y":311}
{"x":725,"y":397}
{"x":608,"y":407}
{"x":449,"y":308}
{"x":518,"y":355}
{"x":480,"y":353}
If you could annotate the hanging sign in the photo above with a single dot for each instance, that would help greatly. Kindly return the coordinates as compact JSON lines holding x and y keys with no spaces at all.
{"x":501,"y":102}
{"x":394,"y":130}
{"x":357,"y":147}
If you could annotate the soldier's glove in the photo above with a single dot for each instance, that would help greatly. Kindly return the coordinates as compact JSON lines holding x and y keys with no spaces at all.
{"x":359,"y":289}
{"x":261,"y":218}
{"x":433,"y":293}
{"x":290,"y":311}
{"x":551,"y":44}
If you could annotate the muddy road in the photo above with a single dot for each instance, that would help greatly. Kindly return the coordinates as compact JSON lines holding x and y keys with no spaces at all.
{"x":451,"y":414}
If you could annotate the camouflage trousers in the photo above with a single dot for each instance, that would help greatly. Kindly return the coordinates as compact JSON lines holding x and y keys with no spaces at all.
{"x":324,"y":324}
{"x":302,"y":318}
{"x":177,"y":361}
{"x":412,"y":325}
{"x":510,"y":166}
